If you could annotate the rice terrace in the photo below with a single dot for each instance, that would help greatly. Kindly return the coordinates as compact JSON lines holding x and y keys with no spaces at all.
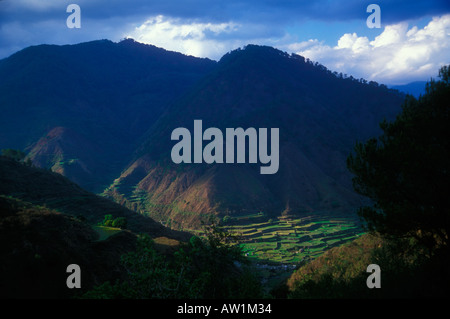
{"x":292,"y":240}
{"x":279,"y":245}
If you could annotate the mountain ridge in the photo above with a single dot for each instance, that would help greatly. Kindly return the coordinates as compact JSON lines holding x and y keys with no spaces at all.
{"x":54,"y":191}
{"x":415,"y":88}
{"x":111,"y":134}
{"x":107,"y":92}
{"x":260,"y":87}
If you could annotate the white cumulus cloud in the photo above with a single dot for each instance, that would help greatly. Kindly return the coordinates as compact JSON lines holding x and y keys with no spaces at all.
{"x":189,"y":37}
{"x":204,"y":39}
{"x":399,"y":54}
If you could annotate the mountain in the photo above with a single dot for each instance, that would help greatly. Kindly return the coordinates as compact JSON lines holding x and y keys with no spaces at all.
{"x":69,"y":153}
{"x":414,"y":88}
{"x":52,"y":190}
{"x":82,"y":109}
{"x":47,"y":223}
{"x":102,"y":113}
{"x":320,"y":115}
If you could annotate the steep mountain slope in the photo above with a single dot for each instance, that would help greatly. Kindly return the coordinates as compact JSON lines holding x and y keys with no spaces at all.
{"x":65,"y":151}
{"x":96,"y":99}
{"x":54,"y":191}
{"x":320,"y":116}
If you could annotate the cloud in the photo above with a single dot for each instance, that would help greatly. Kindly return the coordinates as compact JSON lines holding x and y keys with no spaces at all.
{"x":200,"y":39}
{"x":236,"y":10}
{"x":399,"y":52}
{"x":192,"y":38}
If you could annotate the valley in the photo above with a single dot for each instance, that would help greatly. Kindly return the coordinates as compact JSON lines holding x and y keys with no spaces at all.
{"x":109,"y":151}
{"x":278,"y":246}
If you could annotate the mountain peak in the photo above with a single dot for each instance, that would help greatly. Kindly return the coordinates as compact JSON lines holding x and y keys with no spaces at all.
{"x":108,"y":93}
{"x":319,"y":121}
{"x":253,"y":52}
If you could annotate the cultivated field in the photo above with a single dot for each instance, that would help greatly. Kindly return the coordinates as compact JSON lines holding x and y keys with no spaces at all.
{"x":290,"y":240}
{"x":278,"y":246}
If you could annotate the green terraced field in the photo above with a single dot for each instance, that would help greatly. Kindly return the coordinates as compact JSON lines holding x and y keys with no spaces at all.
{"x":292,"y":240}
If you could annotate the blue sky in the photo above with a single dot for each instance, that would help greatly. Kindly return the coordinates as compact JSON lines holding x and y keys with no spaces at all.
{"x":412,"y":43}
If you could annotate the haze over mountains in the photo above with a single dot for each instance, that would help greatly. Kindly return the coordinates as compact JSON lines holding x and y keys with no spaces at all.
{"x":415,"y":89}
{"x":102,"y":114}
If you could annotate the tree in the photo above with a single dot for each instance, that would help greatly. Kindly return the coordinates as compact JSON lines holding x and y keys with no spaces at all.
{"x":201,"y":268}
{"x":107,"y":221}
{"x":215,"y":264}
{"x":16,"y":155}
{"x":405,"y":172}
{"x":119,"y":222}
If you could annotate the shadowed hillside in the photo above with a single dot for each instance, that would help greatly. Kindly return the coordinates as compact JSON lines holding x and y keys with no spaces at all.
{"x":54,"y":191}
{"x":47,"y":223}
{"x":37,"y":245}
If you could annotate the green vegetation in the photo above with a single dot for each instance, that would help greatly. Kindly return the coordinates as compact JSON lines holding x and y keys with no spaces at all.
{"x":405,"y":173}
{"x":109,"y":221}
{"x":208,"y":267}
{"x":406,"y":170}
{"x":277,"y":246}
{"x":37,"y":243}
{"x":45,"y":188}
{"x":293,"y":240}
{"x":341,"y":271}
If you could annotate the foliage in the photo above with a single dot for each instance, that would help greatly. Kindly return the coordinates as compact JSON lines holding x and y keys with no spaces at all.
{"x":15,"y":155}
{"x":38,"y":243}
{"x":333,"y":275}
{"x":218,"y":258}
{"x":119,"y":222}
{"x":405,"y":172}
{"x":406,"y":271}
{"x":206,"y":267}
